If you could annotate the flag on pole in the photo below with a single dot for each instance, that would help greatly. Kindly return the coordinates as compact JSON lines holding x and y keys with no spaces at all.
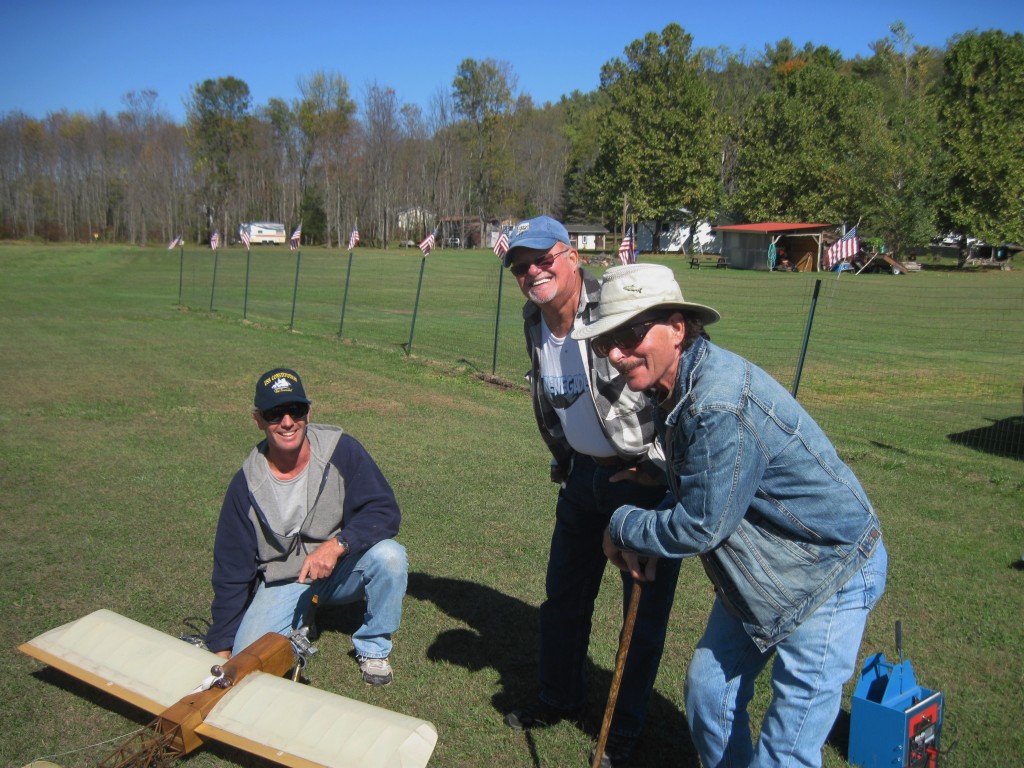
{"x":626,"y":253}
{"x":175,"y":243}
{"x":296,"y":238}
{"x":353,"y":239}
{"x":844,"y":248}
{"x":501,"y":247}
{"x":244,"y":234}
{"x":215,"y":240}
{"x":428,"y":242}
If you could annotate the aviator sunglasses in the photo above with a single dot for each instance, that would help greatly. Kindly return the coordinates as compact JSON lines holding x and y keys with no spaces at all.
{"x":625,"y":337}
{"x":541,"y":262}
{"x":295,"y":410}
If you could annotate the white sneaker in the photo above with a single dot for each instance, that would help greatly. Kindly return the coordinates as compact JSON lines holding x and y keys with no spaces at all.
{"x":375,"y":671}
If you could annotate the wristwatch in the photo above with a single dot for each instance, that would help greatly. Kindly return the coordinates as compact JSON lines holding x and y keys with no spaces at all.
{"x":343,"y":543}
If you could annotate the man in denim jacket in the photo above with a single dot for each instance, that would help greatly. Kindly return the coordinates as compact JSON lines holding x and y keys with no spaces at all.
{"x":782,"y":526}
{"x":604,"y":454}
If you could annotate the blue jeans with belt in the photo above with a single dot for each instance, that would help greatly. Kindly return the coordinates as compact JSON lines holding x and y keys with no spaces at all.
{"x":575,"y":568}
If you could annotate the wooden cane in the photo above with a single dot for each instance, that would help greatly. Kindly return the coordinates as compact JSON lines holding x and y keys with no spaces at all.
{"x":620,"y":664}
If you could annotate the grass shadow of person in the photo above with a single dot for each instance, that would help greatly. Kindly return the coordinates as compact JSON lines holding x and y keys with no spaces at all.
{"x":502,"y":635}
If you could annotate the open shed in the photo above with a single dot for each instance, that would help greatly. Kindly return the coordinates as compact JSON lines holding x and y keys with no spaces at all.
{"x":588,"y":237}
{"x":748,"y":246}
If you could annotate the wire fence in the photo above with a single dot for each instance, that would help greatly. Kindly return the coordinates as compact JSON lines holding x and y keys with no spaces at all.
{"x":908,"y":359}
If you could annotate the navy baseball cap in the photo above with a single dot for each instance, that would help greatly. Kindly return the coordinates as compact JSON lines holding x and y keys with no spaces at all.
{"x":277,"y":387}
{"x":540,"y":233}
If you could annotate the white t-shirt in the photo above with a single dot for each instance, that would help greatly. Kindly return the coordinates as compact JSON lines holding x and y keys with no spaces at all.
{"x":565,"y":381}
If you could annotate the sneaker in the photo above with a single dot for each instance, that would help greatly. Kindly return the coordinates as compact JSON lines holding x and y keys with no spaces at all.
{"x":617,"y":751}
{"x":375,"y":671}
{"x":538,"y":715}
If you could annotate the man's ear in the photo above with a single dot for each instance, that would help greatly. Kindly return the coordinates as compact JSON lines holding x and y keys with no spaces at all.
{"x":677,"y":323}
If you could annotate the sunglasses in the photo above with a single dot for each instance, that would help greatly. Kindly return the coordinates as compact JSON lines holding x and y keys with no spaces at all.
{"x":541,"y":262}
{"x":274,"y":415}
{"x":625,"y":337}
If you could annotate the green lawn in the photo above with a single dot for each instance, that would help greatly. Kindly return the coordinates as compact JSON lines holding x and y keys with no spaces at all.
{"x":126,"y":415}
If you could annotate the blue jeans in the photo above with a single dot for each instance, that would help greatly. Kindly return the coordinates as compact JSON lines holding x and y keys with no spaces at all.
{"x":809,"y":670}
{"x":575,"y":568}
{"x":379,"y":576}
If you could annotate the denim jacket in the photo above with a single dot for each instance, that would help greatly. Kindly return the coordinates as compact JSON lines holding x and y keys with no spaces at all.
{"x":627,"y":417}
{"x":758,"y":492}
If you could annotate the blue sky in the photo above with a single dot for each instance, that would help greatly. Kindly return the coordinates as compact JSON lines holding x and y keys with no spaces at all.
{"x":84,"y":55}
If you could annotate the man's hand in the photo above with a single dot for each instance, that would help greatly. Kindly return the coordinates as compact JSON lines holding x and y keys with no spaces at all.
{"x":224,"y":654}
{"x":319,"y":563}
{"x":634,"y":475}
{"x":640,"y":568}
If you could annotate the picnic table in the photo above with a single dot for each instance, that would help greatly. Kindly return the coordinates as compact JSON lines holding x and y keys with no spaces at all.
{"x":700,"y":260}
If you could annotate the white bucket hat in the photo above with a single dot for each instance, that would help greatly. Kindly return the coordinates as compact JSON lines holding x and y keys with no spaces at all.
{"x":636,"y":288}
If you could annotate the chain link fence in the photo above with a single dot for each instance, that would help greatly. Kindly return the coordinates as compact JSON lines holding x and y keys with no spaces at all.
{"x":902,"y":360}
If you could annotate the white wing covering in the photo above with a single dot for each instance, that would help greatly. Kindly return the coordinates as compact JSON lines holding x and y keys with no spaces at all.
{"x":130,"y":660}
{"x":284,"y":721}
{"x":296,"y":725}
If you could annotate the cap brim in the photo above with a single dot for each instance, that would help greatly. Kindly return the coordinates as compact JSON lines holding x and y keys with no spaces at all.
{"x":606,"y":324}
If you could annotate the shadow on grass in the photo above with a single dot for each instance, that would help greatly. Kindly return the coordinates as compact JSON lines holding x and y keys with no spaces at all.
{"x":503,"y":636}
{"x":1004,"y":437}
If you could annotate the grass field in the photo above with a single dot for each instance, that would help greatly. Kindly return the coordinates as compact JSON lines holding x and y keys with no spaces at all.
{"x":126,"y":415}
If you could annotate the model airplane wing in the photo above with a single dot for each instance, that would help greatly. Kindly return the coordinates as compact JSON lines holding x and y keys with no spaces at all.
{"x":301,"y":726}
{"x":284,"y":721}
{"x":130,"y":660}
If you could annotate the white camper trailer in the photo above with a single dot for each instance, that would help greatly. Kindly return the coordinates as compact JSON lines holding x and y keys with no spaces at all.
{"x":264,"y":232}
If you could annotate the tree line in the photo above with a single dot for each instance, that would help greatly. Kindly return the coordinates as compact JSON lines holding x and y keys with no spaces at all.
{"x":910,"y":141}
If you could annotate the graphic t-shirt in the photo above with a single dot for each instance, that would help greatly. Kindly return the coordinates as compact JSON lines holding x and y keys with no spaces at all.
{"x":565,"y":380}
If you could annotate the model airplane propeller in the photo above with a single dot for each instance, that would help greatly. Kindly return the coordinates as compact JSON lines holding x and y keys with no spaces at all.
{"x":244,"y":701}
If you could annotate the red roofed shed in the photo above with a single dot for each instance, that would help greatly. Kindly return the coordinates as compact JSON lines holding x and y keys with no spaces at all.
{"x":747,"y":246}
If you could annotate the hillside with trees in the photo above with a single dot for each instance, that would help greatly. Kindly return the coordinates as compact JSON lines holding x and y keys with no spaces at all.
{"x":911,"y":141}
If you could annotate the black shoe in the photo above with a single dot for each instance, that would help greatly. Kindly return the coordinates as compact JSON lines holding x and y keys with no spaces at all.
{"x":617,"y":751}
{"x":538,"y":715}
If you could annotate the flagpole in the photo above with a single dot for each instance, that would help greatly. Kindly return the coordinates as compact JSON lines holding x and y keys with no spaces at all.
{"x":415,"y":309}
{"x":344,"y":298}
{"x":497,"y":318}
{"x":295,"y":292}
{"x":807,"y":336}
{"x":245,"y":301}
{"x":181,"y":271}
{"x":213,"y":284}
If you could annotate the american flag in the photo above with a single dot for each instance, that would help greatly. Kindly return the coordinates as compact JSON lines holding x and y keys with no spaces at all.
{"x":501,"y":247}
{"x":844,"y":248}
{"x":296,"y":238}
{"x":626,"y":253}
{"x":215,"y":240}
{"x":244,"y":234}
{"x":353,"y":239}
{"x":428,"y":243}
{"x":175,"y":243}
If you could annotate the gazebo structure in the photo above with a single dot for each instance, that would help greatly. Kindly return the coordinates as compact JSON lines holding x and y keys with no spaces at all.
{"x":766,"y":244}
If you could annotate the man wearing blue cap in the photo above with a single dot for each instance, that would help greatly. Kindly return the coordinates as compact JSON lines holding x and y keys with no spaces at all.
{"x":604,"y":454}
{"x":309,"y":515}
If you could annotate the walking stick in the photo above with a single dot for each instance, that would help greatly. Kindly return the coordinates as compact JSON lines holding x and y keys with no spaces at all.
{"x":620,"y":664}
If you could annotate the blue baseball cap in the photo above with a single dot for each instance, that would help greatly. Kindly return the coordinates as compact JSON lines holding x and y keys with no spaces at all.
{"x":540,"y":233}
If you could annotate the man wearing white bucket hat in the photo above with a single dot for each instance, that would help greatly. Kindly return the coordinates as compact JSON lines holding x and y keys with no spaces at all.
{"x":783,"y":527}
{"x":604,"y":454}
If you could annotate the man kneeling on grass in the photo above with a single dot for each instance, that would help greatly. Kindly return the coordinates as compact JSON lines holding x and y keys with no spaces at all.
{"x":309,"y":515}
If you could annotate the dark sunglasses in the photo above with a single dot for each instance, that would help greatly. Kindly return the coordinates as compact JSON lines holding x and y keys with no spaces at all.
{"x":625,"y":337}
{"x":274,"y":415}
{"x":541,"y":262}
